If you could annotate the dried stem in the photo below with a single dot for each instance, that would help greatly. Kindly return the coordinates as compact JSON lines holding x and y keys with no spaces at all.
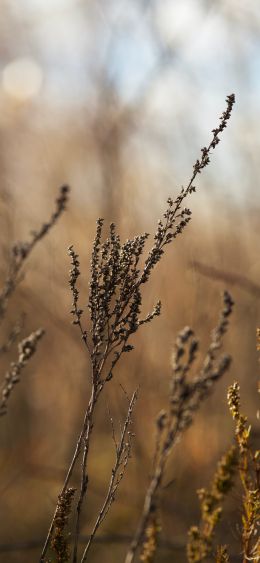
{"x":86,"y":426}
{"x":84,"y":476}
{"x":123,"y":453}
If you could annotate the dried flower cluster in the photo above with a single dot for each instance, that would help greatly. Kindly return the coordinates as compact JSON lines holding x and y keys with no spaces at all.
{"x":114,"y":299}
{"x":26,"y":349}
{"x":186,"y":395}
{"x":205,"y":160}
{"x":176,"y":218}
{"x":222,"y":555}
{"x":185,"y":398}
{"x":249,"y":470}
{"x":200,"y":544}
{"x":150,"y":542}
{"x":59,"y":542}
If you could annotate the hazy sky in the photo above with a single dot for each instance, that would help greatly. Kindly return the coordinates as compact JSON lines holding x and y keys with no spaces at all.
{"x":178,"y":59}
{"x":205,"y":44}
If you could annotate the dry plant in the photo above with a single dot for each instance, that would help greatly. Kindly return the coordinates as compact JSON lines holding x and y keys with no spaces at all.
{"x":249,"y":472}
{"x":20,"y":252}
{"x":200,"y":543}
{"x":185,"y":399}
{"x":222,"y":555}
{"x":116,"y":284}
{"x":243,"y":459}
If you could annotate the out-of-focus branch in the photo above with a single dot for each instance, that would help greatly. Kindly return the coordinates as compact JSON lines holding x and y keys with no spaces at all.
{"x":21,"y":250}
{"x":26,"y":349}
{"x":228,"y":277}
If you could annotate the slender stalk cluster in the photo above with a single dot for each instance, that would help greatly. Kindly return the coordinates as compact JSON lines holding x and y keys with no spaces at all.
{"x":186,"y":396}
{"x":123,"y":454}
{"x":19,"y":253}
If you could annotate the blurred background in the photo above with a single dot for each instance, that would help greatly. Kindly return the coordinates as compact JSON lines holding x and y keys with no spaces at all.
{"x":116,"y":98}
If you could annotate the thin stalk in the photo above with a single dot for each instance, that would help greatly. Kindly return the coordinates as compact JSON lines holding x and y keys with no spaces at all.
{"x":113,"y":481}
{"x":76,"y":454}
{"x":84,"y":477}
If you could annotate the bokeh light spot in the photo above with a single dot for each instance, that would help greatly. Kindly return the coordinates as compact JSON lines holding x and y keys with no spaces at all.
{"x":22,"y":78}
